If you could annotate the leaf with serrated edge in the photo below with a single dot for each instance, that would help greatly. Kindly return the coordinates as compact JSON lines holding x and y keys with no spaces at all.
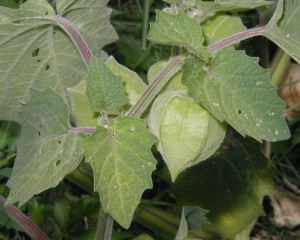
{"x":134,"y":85}
{"x":286,"y":34}
{"x":122,"y":163}
{"x":235,"y":89}
{"x":178,"y":30}
{"x":191,"y":218}
{"x":230,"y":186}
{"x":45,"y":153}
{"x":29,"y":35}
{"x":104,"y":89}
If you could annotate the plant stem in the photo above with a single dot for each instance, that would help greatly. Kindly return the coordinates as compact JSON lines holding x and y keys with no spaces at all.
{"x":105,"y":226}
{"x":278,"y":66}
{"x":259,"y":31}
{"x":171,"y":68}
{"x":145,"y":23}
{"x":80,"y":43}
{"x":23,"y":221}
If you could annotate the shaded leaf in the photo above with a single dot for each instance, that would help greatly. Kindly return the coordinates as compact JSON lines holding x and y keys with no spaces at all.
{"x":122,"y":163}
{"x":283,"y":27}
{"x":178,"y":30}
{"x":191,"y":218}
{"x":30,"y":35}
{"x":45,"y":154}
{"x":230,"y":186}
{"x":235,"y":89}
{"x":104,"y":89}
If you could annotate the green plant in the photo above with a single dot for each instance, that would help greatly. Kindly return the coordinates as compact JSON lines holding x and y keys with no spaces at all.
{"x":73,"y":102}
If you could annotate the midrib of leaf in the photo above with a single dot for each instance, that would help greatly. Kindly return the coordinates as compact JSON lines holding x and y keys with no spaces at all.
{"x":53,"y":54}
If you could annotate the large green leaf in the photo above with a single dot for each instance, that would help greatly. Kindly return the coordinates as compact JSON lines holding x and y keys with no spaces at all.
{"x":283,"y":28}
{"x":178,"y":30}
{"x":34,"y":52}
{"x":122,"y":163}
{"x":235,"y":89}
{"x":104,"y":89}
{"x":230,"y":186}
{"x":45,"y":153}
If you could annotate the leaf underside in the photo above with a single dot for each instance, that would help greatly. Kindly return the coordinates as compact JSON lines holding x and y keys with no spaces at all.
{"x":45,"y":154}
{"x":35,"y":53}
{"x":236,"y":90}
{"x":122,"y":163}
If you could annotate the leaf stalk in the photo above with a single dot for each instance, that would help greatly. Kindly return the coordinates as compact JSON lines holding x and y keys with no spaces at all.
{"x":171,"y":68}
{"x":79,"y":42}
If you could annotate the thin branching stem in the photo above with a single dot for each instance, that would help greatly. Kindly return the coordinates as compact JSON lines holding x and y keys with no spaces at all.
{"x":259,"y":31}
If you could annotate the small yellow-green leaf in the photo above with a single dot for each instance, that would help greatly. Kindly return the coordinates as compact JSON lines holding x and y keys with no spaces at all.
{"x":45,"y":153}
{"x":104,"y":89}
{"x":122,"y":162}
{"x":188,"y":133}
{"x":221,"y":26}
{"x":175,"y":83}
{"x":134,"y":85}
{"x":81,"y":111}
{"x":179,"y":30}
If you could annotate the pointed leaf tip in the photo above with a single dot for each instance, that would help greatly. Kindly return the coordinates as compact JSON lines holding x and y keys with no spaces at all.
{"x":236,"y":90}
{"x":122,"y":163}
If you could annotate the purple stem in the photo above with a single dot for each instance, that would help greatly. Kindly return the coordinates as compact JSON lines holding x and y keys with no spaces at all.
{"x":236,"y":38}
{"x":25,"y":222}
{"x":76,"y":38}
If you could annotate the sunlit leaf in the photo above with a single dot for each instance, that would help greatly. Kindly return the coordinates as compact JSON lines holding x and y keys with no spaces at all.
{"x":236,"y":90}
{"x":178,"y":30}
{"x":104,"y":89}
{"x":122,"y":163}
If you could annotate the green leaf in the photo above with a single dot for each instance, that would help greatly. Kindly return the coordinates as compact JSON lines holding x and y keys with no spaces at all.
{"x":134,"y":85}
{"x":45,"y":153}
{"x":201,"y":10}
{"x":235,"y":89}
{"x":221,"y":26}
{"x":35,"y":53}
{"x":178,"y":30}
{"x":230,"y":186}
{"x":284,"y":31}
{"x":191,"y":218}
{"x":122,"y":163}
{"x":188,"y":133}
{"x":81,"y":111}
{"x":104,"y":89}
